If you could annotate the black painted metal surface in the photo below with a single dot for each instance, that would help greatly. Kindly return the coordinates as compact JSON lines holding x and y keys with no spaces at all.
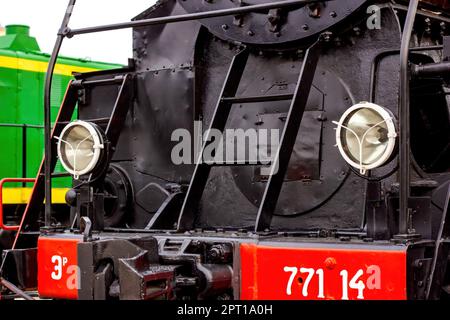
{"x":282,"y":156}
{"x":317,"y":191}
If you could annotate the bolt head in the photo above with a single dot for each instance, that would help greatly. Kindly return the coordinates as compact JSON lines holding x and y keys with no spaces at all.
{"x":330,"y":263}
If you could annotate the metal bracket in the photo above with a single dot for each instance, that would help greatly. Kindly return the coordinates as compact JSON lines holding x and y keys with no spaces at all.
{"x":86,"y":228}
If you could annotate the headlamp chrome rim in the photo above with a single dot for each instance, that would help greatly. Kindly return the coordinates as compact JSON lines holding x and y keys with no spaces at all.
{"x":387,"y":117}
{"x":97,"y":148}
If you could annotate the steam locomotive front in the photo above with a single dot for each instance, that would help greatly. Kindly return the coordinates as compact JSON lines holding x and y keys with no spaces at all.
{"x":249,"y":140}
{"x":181,"y":71}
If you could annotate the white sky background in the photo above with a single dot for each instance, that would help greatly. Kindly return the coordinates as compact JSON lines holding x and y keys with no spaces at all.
{"x":45,"y":16}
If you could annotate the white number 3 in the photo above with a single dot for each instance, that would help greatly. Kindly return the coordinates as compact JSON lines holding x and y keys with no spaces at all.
{"x":59,"y":262}
{"x":57,"y":274}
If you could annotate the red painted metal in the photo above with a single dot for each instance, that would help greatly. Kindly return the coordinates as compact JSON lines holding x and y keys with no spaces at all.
{"x":2,"y":182}
{"x":267,"y":269}
{"x":58,"y":273}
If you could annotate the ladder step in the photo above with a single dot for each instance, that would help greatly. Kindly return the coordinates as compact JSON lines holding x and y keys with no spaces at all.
{"x":268,"y":98}
{"x":116,"y":79}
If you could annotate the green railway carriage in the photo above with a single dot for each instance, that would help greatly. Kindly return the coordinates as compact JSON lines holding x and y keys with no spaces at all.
{"x":22,"y":77}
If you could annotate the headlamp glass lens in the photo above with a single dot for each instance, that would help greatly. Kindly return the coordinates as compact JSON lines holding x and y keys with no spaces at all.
{"x":79,"y":147}
{"x":368,"y":127}
{"x":78,"y":151}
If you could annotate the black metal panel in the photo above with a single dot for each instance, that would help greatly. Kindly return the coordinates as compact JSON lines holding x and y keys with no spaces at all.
{"x":164,"y":46}
{"x":310,"y":174}
{"x":157,"y":116}
{"x":305,"y":160}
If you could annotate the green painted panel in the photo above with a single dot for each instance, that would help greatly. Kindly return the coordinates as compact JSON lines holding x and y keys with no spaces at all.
{"x":10,"y":151}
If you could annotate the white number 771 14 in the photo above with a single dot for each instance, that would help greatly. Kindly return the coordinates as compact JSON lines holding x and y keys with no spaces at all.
{"x":354,"y":283}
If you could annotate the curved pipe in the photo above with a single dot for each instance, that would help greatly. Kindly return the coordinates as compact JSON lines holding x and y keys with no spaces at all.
{"x":47,"y":113}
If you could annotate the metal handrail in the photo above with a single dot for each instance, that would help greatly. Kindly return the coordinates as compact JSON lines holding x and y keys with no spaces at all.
{"x":190,"y":16}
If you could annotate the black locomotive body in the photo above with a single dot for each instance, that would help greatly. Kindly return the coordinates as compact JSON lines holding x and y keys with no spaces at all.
{"x":155,"y":218}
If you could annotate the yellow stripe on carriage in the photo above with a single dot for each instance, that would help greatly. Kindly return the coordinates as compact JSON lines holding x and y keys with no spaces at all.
{"x":22,"y":195}
{"x":40,"y":66}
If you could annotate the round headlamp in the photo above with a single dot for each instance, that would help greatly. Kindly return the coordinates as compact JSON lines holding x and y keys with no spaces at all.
{"x":366,"y":136}
{"x":80,"y":147}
